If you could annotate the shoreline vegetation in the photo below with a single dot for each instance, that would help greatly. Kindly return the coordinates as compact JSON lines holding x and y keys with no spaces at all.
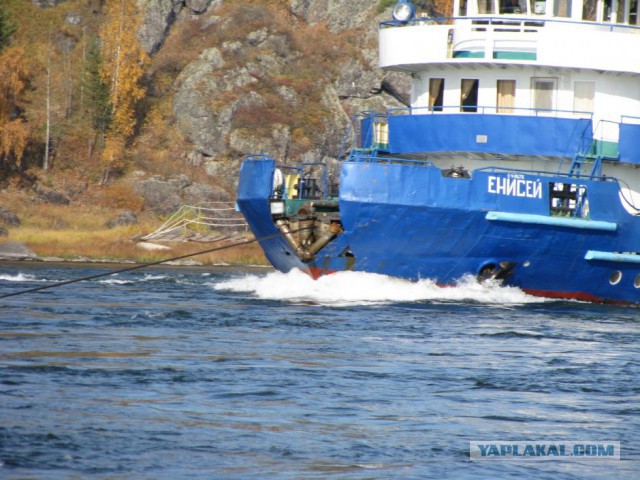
{"x":79,"y":233}
{"x":116,"y":247}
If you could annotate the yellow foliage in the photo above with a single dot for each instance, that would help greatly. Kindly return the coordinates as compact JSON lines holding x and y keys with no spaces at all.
{"x":122,"y":68}
{"x":14,"y":132}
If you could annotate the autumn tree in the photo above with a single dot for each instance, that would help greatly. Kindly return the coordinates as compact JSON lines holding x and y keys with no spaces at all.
{"x":122,"y":68}
{"x":14,"y":131}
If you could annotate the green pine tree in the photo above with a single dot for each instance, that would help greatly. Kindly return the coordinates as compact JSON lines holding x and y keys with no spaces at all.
{"x":7,"y":28}
{"x":97,"y":93}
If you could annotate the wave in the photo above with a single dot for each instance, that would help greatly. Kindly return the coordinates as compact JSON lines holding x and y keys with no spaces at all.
{"x":20,"y":277}
{"x":358,"y":288}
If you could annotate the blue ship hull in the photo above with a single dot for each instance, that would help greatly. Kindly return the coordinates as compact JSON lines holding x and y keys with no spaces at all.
{"x":550,"y":234}
{"x":408,"y":220}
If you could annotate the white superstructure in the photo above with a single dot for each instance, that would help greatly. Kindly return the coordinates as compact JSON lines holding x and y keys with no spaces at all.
{"x":565,"y":58}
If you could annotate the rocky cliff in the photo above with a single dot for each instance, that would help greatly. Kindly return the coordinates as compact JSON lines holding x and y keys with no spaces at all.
{"x":281,"y":78}
{"x":226,"y":79}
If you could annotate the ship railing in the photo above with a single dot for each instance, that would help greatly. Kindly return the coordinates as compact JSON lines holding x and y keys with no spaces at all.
{"x":367,"y":131}
{"x":510,"y":23}
{"x":304,"y":182}
{"x":606,"y":135}
{"x":357,"y":156}
{"x":544,"y":173}
{"x":490,"y":110}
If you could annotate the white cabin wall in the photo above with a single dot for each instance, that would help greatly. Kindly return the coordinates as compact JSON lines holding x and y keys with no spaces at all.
{"x":420,"y":90}
{"x":620,"y":96}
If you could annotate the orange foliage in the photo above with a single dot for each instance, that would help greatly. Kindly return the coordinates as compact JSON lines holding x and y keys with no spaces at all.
{"x":122,"y":69}
{"x":14,"y":132}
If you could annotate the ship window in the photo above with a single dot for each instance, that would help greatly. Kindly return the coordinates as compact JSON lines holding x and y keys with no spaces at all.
{"x":562,"y":8}
{"x":469,"y":95}
{"x":510,"y":6}
{"x":583,"y":93}
{"x":619,"y":14}
{"x":615,"y":277}
{"x":603,"y":11}
{"x":543,"y":94}
{"x":568,"y":200}
{"x":636,"y":282}
{"x":506,"y":96}
{"x":589,"y":10}
{"x":436,"y":94}
{"x":485,"y":6}
{"x":539,"y":7}
{"x":462,"y":11}
{"x":634,"y":18}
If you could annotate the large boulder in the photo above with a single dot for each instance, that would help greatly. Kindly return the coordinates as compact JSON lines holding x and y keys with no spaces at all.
{"x":203,"y":120}
{"x":8,"y":218}
{"x":338,"y":16}
{"x":202,"y":193}
{"x":158,"y":16}
{"x":159,"y":195}
{"x":165,"y":196}
{"x":49,"y":195}
{"x":124,"y":218}
{"x":15,"y":251}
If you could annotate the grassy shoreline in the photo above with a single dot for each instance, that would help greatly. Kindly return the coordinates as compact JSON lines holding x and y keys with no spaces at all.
{"x":79,"y":233}
{"x":116,"y":246}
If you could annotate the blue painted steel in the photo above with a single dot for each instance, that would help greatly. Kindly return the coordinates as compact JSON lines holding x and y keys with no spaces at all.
{"x":410,"y":221}
{"x":566,"y":222}
{"x":629,"y":143}
{"x":255,"y":187}
{"x":470,"y":132}
{"x":366,"y":131}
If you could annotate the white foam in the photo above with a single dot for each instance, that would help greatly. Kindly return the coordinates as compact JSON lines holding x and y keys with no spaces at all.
{"x":357,"y":288}
{"x":20,"y":277}
{"x":115,"y":281}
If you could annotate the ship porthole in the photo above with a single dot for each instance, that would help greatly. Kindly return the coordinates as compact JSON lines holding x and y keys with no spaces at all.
{"x":616,"y":277}
{"x":636,"y":282}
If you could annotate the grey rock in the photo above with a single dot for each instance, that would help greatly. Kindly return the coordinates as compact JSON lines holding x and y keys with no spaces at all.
{"x":157,"y":19}
{"x":200,"y":6}
{"x":201,"y":193}
{"x":167,"y":196}
{"x":160,"y":15}
{"x":180,"y":181}
{"x":159,"y":196}
{"x":9,"y":218}
{"x":15,"y":251}
{"x":46,"y":3}
{"x":124,"y":218}
{"x":205,"y":122}
{"x":338,"y":15}
{"x":52,"y":196}
{"x":230,"y":79}
{"x":73,"y":19}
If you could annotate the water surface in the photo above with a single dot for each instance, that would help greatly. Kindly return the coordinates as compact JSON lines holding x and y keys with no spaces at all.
{"x":169,"y":373}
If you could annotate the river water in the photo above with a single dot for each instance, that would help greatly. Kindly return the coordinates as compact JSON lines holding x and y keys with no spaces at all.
{"x":171,"y":373}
